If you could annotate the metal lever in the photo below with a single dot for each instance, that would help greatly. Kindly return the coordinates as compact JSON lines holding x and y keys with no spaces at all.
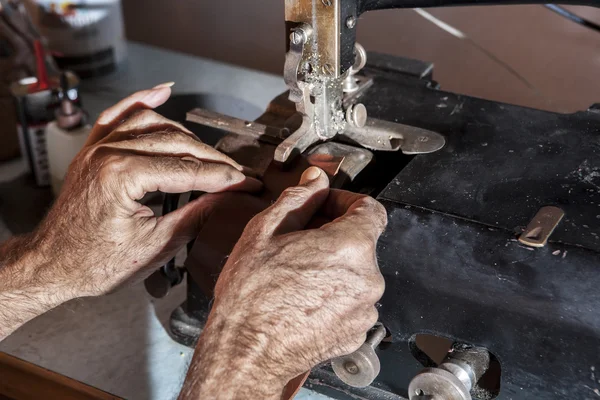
{"x":389,"y":136}
{"x":360,"y":368}
{"x":293,"y":60}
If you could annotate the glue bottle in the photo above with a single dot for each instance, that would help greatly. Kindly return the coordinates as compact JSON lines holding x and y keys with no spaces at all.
{"x":65,"y":137}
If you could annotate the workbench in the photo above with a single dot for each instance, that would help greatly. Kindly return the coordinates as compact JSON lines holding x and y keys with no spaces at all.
{"x":120,"y":343}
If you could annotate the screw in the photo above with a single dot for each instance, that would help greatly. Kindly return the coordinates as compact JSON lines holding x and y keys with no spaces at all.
{"x":326,"y":3}
{"x":356,"y":115}
{"x":351,"y":367}
{"x":297,"y":37}
{"x":351,"y":22}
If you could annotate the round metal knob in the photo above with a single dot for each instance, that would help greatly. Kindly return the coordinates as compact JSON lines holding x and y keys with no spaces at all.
{"x":358,"y":369}
{"x":356,"y":115}
{"x":437,"y":384}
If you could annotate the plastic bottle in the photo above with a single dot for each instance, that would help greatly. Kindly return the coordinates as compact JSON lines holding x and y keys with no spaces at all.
{"x":65,"y":137}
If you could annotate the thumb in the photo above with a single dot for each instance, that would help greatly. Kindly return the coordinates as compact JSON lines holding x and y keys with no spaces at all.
{"x":184,"y":224}
{"x":297,"y":205}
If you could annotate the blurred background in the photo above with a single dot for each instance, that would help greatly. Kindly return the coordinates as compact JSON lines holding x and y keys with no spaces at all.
{"x":559,"y":58}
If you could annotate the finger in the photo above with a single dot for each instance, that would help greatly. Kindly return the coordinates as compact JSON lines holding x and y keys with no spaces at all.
{"x":139,"y":175}
{"x":142,"y":122}
{"x":112,"y":117}
{"x":297,"y":205}
{"x":355,"y":213}
{"x":339,"y":202}
{"x":170,"y":142}
{"x":184,"y":224}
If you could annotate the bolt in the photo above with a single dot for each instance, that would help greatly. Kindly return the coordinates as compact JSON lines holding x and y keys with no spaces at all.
{"x":350,"y":22}
{"x":326,"y":3}
{"x":356,"y":115}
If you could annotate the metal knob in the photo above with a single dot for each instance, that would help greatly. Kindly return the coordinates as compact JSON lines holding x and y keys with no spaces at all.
{"x":360,"y":368}
{"x":437,"y":384}
{"x":454,"y":378}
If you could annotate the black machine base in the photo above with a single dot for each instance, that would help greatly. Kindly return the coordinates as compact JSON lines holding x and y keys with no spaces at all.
{"x":450,"y":256}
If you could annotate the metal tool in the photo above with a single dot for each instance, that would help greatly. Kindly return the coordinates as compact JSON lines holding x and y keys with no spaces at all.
{"x":326,"y":87}
{"x":360,"y":368}
{"x":454,"y":378}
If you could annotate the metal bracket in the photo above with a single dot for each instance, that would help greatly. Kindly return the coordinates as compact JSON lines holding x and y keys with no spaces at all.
{"x":293,"y":60}
{"x":389,"y":136}
{"x":541,"y":226}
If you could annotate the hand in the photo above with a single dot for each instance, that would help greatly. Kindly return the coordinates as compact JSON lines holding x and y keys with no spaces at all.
{"x":98,"y":236}
{"x":290,"y":297}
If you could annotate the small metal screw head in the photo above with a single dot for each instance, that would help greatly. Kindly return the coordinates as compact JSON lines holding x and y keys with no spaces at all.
{"x":351,"y":367}
{"x":326,"y":3}
{"x":297,"y":37}
{"x":350,"y":22}
{"x":328,"y":69}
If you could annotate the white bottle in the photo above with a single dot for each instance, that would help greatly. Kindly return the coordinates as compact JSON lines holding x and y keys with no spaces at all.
{"x":65,"y":137}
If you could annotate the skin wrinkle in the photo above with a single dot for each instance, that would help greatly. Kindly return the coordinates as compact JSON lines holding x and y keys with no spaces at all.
{"x":293,"y":280}
{"x":87,"y":243}
{"x":289,"y":297}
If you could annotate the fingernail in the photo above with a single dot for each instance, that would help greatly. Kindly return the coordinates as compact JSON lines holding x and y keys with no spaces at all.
{"x":310,"y":174}
{"x":164,"y":85}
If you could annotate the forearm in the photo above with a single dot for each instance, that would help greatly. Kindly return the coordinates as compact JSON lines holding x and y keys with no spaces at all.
{"x":26,"y":287}
{"x":227,"y":367}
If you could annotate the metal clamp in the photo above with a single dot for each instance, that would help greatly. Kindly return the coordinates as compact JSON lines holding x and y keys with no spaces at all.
{"x":541,"y":227}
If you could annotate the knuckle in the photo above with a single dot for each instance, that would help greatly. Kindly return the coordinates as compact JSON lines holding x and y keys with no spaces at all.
{"x":372,"y":206}
{"x":376,"y":287}
{"x":355,"y":342}
{"x":370,"y":318}
{"x":146,"y":115}
{"x":112,"y":165}
{"x":189,"y":165}
{"x":358,"y":244}
{"x":295,"y":194}
{"x":258,"y":222}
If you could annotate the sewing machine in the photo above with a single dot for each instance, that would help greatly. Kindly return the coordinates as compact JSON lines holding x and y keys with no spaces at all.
{"x":493,"y":246}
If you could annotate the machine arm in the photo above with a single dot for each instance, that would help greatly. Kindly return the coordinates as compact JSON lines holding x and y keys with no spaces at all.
{"x":370,"y":5}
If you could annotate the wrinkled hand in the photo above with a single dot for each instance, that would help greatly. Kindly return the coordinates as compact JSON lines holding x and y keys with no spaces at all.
{"x":291,"y":297}
{"x":98,"y":236}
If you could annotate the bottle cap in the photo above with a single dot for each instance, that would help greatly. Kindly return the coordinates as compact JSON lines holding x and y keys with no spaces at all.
{"x":69,"y":116}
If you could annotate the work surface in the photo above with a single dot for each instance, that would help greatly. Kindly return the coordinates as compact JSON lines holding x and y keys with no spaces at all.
{"x":120,"y":343}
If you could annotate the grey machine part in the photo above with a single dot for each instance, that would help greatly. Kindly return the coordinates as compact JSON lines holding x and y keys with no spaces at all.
{"x":360,"y":368}
{"x":454,"y":378}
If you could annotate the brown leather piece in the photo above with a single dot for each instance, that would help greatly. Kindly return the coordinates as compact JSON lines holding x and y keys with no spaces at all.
{"x":293,"y":387}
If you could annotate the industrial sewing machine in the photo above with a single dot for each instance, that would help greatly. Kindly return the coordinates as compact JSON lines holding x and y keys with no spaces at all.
{"x":493,"y":246}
